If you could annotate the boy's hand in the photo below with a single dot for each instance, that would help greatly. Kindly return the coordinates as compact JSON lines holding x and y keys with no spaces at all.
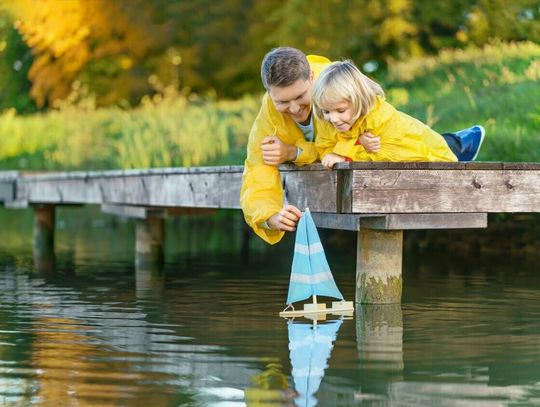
{"x":329,"y":160}
{"x":275,"y":151}
{"x":286,"y":219}
{"x":370,"y":142}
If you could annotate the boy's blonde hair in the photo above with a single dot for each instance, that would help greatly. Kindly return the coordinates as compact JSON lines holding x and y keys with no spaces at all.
{"x":343,"y":81}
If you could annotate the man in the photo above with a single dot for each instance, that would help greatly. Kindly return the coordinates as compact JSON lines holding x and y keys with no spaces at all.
{"x":284,"y":131}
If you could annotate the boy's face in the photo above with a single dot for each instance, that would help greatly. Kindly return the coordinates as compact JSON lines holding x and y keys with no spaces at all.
{"x":293,"y":100}
{"x":340,"y":114}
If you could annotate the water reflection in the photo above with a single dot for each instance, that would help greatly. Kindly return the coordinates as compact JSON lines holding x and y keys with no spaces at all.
{"x":149,"y":280}
{"x":310,"y":346}
{"x":205,"y":331}
{"x":379,"y":340}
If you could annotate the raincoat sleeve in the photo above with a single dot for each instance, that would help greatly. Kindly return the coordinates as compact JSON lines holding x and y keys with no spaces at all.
{"x":308,"y":154}
{"x":329,"y":141}
{"x":348,"y":148}
{"x":261,"y":194}
{"x":326,"y":140}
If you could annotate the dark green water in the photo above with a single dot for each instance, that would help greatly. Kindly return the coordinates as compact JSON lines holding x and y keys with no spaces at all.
{"x":205,"y":332}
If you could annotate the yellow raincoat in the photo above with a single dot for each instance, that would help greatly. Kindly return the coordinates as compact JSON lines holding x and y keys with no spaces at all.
{"x":261,"y":195}
{"x":403,"y":138}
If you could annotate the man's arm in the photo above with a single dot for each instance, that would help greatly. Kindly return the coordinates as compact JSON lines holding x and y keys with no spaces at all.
{"x":276,"y":152}
{"x":261,"y":195}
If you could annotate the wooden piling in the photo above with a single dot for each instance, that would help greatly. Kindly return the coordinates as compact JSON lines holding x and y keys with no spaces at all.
{"x":44,"y":220}
{"x":378,"y":266}
{"x":150,"y":239}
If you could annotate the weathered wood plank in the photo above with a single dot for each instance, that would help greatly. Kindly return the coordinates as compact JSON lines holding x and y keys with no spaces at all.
{"x":473,"y":165}
{"x":7,"y":185}
{"x":411,"y":221}
{"x":441,"y":191}
{"x":355,"y":222}
{"x":198,"y":189}
{"x":143,"y":212}
{"x":136,"y":212}
{"x":194,"y":189}
{"x":7,"y":191}
{"x":316,"y":190}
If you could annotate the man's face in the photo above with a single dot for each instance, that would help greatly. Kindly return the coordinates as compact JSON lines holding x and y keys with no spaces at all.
{"x":293,"y":100}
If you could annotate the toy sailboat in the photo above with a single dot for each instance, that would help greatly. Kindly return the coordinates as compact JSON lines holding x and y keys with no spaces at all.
{"x":311,"y":275}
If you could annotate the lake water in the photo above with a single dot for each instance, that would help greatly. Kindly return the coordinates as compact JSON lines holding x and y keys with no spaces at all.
{"x":205,"y":331}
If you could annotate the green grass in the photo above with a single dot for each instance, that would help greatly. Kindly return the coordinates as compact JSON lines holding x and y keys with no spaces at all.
{"x":496,"y":86}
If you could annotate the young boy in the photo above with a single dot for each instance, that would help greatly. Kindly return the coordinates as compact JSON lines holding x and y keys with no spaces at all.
{"x":354,"y":104}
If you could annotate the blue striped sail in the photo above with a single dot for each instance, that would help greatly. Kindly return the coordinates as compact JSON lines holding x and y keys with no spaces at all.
{"x":310,"y":274}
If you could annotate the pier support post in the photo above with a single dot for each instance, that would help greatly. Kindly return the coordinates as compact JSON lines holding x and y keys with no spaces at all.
{"x":150,"y":238}
{"x":378,"y":266}
{"x":44,"y":220}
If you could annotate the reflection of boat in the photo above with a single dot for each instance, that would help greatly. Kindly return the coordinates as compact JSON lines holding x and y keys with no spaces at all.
{"x":311,"y":275}
{"x":310,"y":346}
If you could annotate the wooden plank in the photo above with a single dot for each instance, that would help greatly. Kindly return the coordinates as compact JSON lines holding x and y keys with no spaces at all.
{"x":198,"y":189}
{"x":16,"y":204}
{"x":7,"y":185}
{"x":473,"y":165}
{"x":229,"y":169}
{"x":143,"y":212}
{"x":425,"y":221}
{"x":7,"y":191}
{"x":137,"y":212}
{"x":355,"y":222}
{"x":315,"y":189}
{"x":336,"y":221}
{"x":446,"y":191}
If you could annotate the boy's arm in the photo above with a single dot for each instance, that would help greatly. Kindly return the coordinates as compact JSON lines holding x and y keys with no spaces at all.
{"x":325,"y":140}
{"x":348,"y":148}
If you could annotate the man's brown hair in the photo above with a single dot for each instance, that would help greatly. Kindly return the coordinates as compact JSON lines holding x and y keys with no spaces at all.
{"x":283,"y":66}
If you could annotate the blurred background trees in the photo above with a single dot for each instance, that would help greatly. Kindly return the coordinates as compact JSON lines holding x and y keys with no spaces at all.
{"x":121,"y":50}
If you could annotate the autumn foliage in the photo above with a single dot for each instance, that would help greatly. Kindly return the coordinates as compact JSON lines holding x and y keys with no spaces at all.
{"x":121,"y":50}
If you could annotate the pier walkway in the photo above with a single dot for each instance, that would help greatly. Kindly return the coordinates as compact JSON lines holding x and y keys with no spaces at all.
{"x":377,"y":200}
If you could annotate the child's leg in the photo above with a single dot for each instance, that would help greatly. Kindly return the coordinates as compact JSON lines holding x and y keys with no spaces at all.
{"x":465,"y":144}
{"x":453,"y":142}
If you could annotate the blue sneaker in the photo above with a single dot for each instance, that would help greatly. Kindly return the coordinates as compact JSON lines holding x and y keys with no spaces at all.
{"x":470,"y":140}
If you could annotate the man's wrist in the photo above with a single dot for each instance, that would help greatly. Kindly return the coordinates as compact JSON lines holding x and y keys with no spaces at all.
{"x":294,"y":152}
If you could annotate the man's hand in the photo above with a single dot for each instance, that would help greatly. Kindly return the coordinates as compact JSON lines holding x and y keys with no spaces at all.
{"x":329,"y":160}
{"x":286,"y":219}
{"x":370,"y":142}
{"x":276,"y":152}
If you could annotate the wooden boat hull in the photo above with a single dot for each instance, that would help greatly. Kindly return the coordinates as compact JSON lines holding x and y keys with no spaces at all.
{"x":312,"y":310}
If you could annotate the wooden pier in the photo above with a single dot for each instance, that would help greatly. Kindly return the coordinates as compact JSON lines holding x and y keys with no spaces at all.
{"x":377,"y":200}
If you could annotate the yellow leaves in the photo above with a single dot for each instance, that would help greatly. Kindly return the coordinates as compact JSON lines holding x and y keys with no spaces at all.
{"x":394,"y":28}
{"x":399,"y":6}
{"x":125,"y":62}
{"x":65,"y":35}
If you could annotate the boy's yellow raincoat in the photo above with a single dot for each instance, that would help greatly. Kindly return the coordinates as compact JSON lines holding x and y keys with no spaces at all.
{"x":261,"y":195}
{"x":403,"y":138}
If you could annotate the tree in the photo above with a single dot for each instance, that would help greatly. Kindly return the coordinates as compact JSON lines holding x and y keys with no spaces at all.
{"x":66,"y":35}
{"x":15,"y":61}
